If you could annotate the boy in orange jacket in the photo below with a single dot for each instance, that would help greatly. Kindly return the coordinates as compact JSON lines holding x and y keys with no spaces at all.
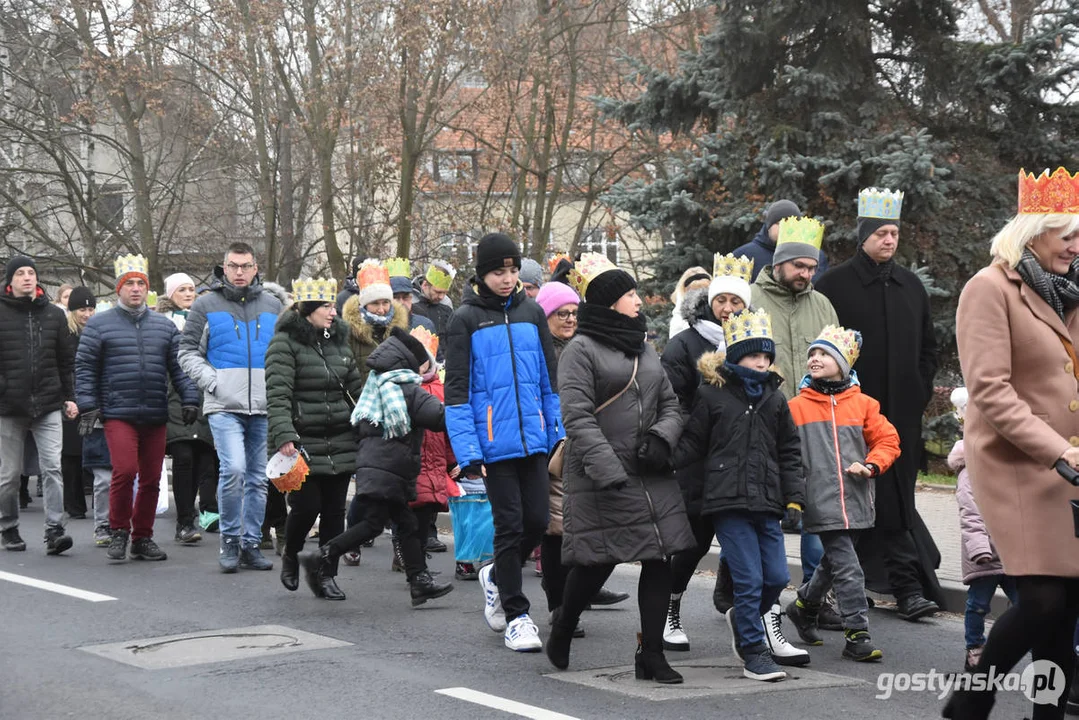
{"x":846,"y":444}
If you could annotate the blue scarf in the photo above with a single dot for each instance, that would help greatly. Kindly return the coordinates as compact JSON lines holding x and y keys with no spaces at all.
{"x":372,"y":319}
{"x":752,"y":380}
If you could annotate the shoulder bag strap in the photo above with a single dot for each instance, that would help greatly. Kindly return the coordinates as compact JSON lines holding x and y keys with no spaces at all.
{"x":621,"y":392}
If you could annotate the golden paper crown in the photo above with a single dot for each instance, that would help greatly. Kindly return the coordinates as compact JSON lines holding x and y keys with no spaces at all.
{"x":587,"y":269}
{"x":314,"y":290}
{"x":440,"y":275}
{"x":372,"y":272}
{"x":746,"y":326}
{"x":847,"y":343}
{"x":882,"y":204}
{"x":552,"y":264}
{"x":731,"y":266}
{"x":399,"y":267}
{"x":804,"y":230}
{"x":131,"y":264}
{"x":427,"y":338}
{"x":1049,"y":194}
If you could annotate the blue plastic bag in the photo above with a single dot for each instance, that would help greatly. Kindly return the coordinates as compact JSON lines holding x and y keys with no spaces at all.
{"x":473,"y":528}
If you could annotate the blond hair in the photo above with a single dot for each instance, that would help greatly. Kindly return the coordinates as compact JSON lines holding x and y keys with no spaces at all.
{"x":1008,"y":245}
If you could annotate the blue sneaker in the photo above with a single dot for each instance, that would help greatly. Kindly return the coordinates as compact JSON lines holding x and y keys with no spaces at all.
{"x":759,"y":664}
{"x":229,"y":555}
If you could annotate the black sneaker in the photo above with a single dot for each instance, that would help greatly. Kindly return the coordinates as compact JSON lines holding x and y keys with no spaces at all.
{"x":804,"y":618}
{"x":187,"y":535}
{"x":11,"y":541}
{"x":860,"y":648}
{"x":147,"y":549}
{"x":118,"y":546}
{"x":56,"y":541}
{"x":251,"y":558}
{"x":914,"y":607}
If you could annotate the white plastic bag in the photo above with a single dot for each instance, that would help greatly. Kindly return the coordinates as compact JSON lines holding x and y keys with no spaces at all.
{"x":162,"y":493}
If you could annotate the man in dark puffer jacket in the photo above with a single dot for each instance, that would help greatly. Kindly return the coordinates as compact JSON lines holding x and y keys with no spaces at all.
{"x":122,"y":369}
{"x":35,"y":385}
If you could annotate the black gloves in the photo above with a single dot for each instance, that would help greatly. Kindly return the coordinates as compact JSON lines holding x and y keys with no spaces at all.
{"x":654,"y":454}
{"x":473,"y":471}
{"x":794,"y":515}
{"x":190,"y":414}
{"x":87,"y":420}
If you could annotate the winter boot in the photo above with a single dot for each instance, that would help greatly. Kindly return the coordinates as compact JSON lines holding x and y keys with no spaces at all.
{"x":11,"y":540}
{"x":398,"y":563}
{"x":915,"y":607}
{"x":330,"y":591}
{"x":759,"y":664}
{"x":56,"y":541}
{"x":969,"y":705}
{"x":674,"y":637}
{"x":279,"y":538}
{"x":782,"y":651}
{"x":803,"y":616}
{"x":317,"y":566}
{"x":828,"y":616}
{"x":860,"y":647}
{"x":290,"y":572}
{"x":118,"y":546}
{"x":558,"y":644}
{"x":146,"y":549}
{"x":423,"y":588}
{"x":723,"y":596}
{"x":650,"y":664}
{"x":228,"y":556}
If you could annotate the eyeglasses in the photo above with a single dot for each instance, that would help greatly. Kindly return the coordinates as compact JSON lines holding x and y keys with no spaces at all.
{"x":566,"y":314}
{"x":246,"y":267}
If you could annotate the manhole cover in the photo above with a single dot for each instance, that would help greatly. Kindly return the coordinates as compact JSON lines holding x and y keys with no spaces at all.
{"x":212,"y":646}
{"x":703,"y":677}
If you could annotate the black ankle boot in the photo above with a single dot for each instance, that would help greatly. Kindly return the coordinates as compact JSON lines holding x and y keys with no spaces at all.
{"x":316,"y":564}
{"x":650,"y":664}
{"x":559,"y":642}
{"x":423,"y":588}
{"x":968,"y":705}
{"x":330,"y":591}
{"x":290,"y":572}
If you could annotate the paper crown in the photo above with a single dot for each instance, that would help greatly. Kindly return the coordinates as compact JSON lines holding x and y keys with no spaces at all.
{"x":746,"y":326}
{"x":131,"y":264}
{"x":587,"y":269}
{"x":372,"y":272}
{"x":552,"y":264}
{"x":804,"y":230}
{"x":399,"y":267}
{"x":731,"y":266}
{"x":847,"y":343}
{"x":314,"y":290}
{"x":881,"y":204}
{"x":427,"y":338}
{"x":440,"y":275}
{"x":1049,"y":194}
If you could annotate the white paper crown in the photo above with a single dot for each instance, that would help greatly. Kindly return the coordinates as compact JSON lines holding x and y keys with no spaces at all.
{"x":881,"y":204}
{"x":131,"y":264}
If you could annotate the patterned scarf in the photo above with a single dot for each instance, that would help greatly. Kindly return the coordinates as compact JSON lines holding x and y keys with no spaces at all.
{"x":382,"y":402}
{"x":1060,"y":292}
{"x":373,"y":319}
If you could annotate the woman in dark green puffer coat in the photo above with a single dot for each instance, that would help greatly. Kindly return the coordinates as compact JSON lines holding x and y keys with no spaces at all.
{"x":310,"y":374}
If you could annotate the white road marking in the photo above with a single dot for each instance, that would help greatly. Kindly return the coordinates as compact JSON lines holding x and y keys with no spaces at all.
{"x":498,"y":703}
{"x":55,"y":587}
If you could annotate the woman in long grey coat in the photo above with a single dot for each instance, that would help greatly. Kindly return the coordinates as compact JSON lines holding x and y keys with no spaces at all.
{"x":621,"y":502}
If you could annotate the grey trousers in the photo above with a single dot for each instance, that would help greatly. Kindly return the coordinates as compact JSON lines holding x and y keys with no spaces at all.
{"x":840,"y":569}
{"x":102,"y":481}
{"x":48,"y":435}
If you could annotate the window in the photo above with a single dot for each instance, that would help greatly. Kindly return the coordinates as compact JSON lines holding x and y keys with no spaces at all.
{"x":601,"y":240}
{"x":455,"y":166}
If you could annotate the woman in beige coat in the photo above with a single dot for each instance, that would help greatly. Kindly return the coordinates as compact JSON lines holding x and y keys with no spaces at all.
{"x":1017,"y":327}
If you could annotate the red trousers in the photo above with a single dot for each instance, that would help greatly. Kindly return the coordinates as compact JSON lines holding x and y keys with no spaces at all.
{"x":135,"y":450}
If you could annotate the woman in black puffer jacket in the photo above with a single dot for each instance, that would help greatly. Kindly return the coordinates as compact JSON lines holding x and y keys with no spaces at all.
{"x":310,"y":373}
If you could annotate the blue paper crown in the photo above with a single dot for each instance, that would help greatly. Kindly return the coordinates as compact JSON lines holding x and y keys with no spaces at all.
{"x":881,"y":204}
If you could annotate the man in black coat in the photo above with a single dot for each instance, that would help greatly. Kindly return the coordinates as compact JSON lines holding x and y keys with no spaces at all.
{"x":888,"y":304}
{"x":431,"y":300}
{"x":36,"y":385}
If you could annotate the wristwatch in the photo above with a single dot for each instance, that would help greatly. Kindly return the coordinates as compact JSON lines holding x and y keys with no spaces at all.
{"x":873,"y":468}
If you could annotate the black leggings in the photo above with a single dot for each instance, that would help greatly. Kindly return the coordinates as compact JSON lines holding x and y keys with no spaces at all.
{"x":554,"y":572}
{"x":320,"y":497}
{"x":653,"y":596}
{"x":684,"y":564}
{"x":194,"y":471}
{"x":1042,"y":622}
{"x":371,"y":515}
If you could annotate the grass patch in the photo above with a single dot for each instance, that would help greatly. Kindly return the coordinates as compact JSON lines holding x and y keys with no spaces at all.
{"x":934,"y":479}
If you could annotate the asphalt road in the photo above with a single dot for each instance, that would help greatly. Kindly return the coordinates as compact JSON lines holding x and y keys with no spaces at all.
{"x":398,"y":658}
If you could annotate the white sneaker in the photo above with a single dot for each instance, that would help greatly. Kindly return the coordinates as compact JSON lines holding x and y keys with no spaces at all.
{"x":522,"y":635}
{"x":492,"y":608}
{"x":782,"y":651}
{"x":674,"y":637}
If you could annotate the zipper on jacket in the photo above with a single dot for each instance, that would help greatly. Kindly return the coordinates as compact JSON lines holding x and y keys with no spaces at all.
{"x":839,"y":466}
{"x":516,"y":386}
{"x":644,"y":488}
{"x":33,"y":363}
{"x":250,"y":373}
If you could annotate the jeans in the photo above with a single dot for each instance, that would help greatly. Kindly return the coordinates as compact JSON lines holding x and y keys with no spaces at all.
{"x":241,"y":487}
{"x":194,"y":471}
{"x":48,"y":434}
{"x":839,"y":568}
{"x":102,"y":484}
{"x":811,"y":552}
{"x":135,"y":450}
{"x":979,"y":598}
{"x":754,"y":551}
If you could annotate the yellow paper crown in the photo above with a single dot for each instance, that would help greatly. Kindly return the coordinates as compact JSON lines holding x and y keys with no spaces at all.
{"x":131,"y":264}
{"x":399,"y":267}
{"x":587,"y":269}
{"x":440,"y":275}
{"x":314,"y":290}
{"x":427,"y":338}
{"x":881,"y":204}
{"x":847,"y":343}
{"x":804,"y":230}
{"x":372,"y":272}
{"x":1057,"y":193}
{"x":746,"y":326}
{"x":731,"y":266}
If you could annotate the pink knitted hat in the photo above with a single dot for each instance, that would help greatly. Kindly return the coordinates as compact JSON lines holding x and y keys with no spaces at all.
{"x":554,"y":295}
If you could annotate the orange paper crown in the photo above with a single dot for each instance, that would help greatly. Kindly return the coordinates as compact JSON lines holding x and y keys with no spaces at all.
{"x":1049,"y":194}
{"x":427,"y":338}
{"x":372,"y":272}
{"x":552,"y":264}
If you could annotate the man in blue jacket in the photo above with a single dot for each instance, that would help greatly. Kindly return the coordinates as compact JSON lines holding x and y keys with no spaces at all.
{"x":125,"y":360}
{"x":223,"y":349}
{"x":762,"y":247}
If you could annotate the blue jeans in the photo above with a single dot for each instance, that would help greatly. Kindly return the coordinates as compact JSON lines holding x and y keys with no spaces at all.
{"x":812,"y":551}
{"x":753,"y":548}
{"x":979,"y":596}
{"x":241,"y":487}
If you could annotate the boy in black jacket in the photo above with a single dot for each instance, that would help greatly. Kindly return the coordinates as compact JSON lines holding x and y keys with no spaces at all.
{"x":742,"y":429}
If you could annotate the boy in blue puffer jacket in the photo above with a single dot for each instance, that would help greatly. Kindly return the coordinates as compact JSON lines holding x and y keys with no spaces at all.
{"x":503,"y":418}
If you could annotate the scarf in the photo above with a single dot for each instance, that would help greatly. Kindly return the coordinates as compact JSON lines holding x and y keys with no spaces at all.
{"x":827,"y":387}
{"x":382,"y":402}
{"x":712,"y":332}
{"x":752,"y":380}
{"x":135,"y":312}
{"x":884,"y":269}
{"x":372,"y":319}
{"x":1060,"y":292}
{"x":612,"y":328}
